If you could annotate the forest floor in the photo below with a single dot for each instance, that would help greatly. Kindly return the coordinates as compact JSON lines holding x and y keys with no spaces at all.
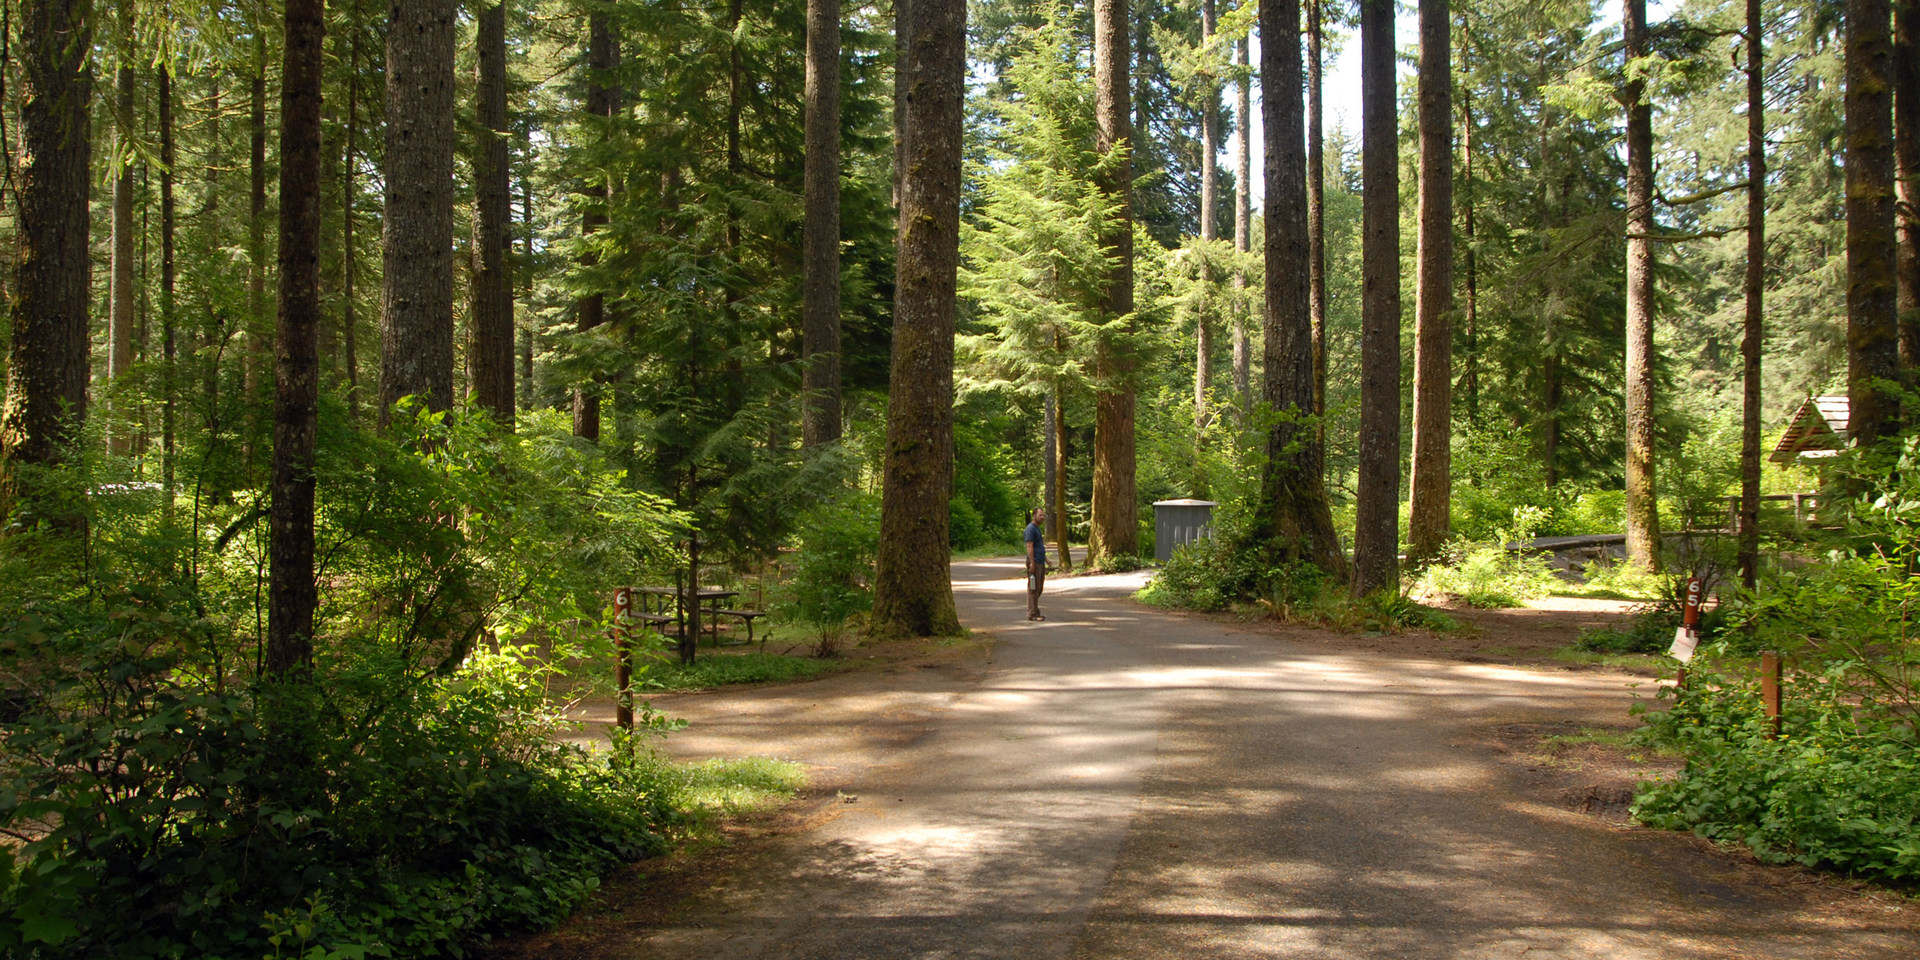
{"x":1120,"y":781}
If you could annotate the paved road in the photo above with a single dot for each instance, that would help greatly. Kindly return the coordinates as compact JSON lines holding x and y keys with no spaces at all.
{"x":1122,"y":783}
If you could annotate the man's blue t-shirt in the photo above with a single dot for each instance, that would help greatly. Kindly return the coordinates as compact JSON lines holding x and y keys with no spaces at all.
{"x":1039,"y":541}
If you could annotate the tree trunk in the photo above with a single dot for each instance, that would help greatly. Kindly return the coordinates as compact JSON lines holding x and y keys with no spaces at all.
{"x":1116,"y":530}
{"x":1432,"y":480}
{"x":416,"y":291}
{"x":349,"y":192}
{"x":902,"y":69}
{"x":1057,"y":501}
{"x":1754,"y":329}
{"x":1906,"y":149}
{"x":1470,"y":364}
{"x":912,"y":592}
{"x":120,"y":284}
{"x":1292,"y":517}
{"x":47,"y":359}
{"x":1643,"y":517}
{"x":527,"y":344}
{"x":1242,"y":228}
{"x":1317,"y":215}
{"x":820,"y":384}
{"x":1376,"y":535}
{"x":169,"y":345}
{"x":259,"y":339}
{"x":291,"y":591}
{"x":603,"y":100}
{"x":492,"y":356}
{"x":1872,"y":334}
{"x":1209,"y":191}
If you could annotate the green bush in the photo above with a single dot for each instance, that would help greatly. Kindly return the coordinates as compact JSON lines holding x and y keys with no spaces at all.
{"x":833,"y":578}
{"x":1840,"y":789}
{"x":1484,"y":573}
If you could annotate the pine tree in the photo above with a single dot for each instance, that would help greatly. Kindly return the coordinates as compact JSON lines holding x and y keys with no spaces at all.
{"x":820,"y":386}
{"x":1116,"y":530}
{"x":1431,"y":477}
{"x":1872,"y":330}
{"x":491,"y":348}
{"x":416,"y":298}
{"x":1376,"y":540}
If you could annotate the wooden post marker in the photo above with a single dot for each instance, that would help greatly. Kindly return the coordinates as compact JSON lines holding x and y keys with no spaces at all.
{"x":623,"y":657}
{"x":1770,"y":691}
{"x":1687,"y":638}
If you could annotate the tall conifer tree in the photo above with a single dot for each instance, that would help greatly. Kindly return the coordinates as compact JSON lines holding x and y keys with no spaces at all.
{"x":1376,"y":536}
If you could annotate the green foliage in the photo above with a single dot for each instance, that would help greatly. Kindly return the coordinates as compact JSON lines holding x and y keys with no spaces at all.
{"x":1487,"y":574}
{"x":833,"y":580}
{"x":1840,"y":789}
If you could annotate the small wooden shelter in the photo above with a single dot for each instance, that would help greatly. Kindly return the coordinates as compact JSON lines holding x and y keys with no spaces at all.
{"x":1818,"y":431}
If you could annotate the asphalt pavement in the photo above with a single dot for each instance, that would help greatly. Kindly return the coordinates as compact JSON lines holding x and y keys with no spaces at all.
{"x":1120,"y":782}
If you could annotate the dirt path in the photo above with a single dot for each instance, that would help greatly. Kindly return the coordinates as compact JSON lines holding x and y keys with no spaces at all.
{"x":1118,"y":782}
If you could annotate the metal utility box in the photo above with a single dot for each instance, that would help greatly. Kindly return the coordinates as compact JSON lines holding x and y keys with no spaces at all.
{"x":1180,"y":521}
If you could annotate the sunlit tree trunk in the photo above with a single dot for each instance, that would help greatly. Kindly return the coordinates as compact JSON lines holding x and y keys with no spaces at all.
{"x":292,"y":595}
{"x":1317,"y":212}
{"x":1209,"y":191}
{"x":1431,"y":478}
{"x":820,"y":384}
{"x":1872,"y":328}
{"x":492,"y":350}
{"x":913,"y":594}
{"x":1643,"y":516}
{"x":1116,"y":530}
{"x":47,"y":357}
{"x":1376,"y":535}
{"x":416,"y":295}
{"x":1242,"y":227}
{"x":1292,"y":519}
{"x":1906,"y":150}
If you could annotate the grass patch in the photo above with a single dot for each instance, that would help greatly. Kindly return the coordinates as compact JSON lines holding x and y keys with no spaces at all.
{"x":719,"y":670}
{"x":726,"y":787}
{"x":997,"y":549}
{"x":1626,"y":661}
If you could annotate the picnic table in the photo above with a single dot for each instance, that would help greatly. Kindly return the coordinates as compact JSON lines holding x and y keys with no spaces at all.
{"x":656,"y":601}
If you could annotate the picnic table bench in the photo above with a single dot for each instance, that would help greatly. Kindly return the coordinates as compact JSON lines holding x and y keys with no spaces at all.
{"x":656,"y":602}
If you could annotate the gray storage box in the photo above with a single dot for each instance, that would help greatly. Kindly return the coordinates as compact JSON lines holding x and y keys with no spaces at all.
{"x":1180,"y":521}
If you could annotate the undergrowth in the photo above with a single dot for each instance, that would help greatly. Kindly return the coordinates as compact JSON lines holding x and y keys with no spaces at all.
{"x":716,"y":670}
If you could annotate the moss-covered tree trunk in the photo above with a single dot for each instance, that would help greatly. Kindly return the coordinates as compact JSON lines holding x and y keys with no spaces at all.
{"x":1115,"y":530}
{"x":416,"y":296}
{"x":1292,"y":520}
{"x":1376,"y":535}
{"x":1872,"y":328}
{"x":292,"y":595}
{"x":1643,"y":515}
{"x":913,"y":594}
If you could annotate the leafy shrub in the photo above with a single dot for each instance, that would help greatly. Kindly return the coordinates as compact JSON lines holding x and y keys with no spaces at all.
{"x":966,"y":529}
{"x":833,"y":580}
{"x":1206,"y":574}
{"x":1484,"y":573}
{"x":1840,"y":788}
{"x":1650,"y":629}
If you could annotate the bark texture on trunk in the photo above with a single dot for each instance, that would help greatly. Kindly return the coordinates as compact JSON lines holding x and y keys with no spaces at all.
{"x":416,"y":293}
{"x":1431,"y":480}
{"x":603,"y":100}
{"x":1643,"y":517}
{"x":1209,"y":192}
{"x":1242,"y":227}
{"x":120,"y":269}
{"x":1116,"y":529}
{"x":349,"y":192}
{"x":1753,"y":331}
{"x":1057,"y":451}
{"x":820,"y":346}
{"x":292,"y":595}
{"x":1906,"y":151}
{"x":1872,"y":329}
{"x":1376,"y":535}
{"x":1293,"y":517}
{"x":1317,"y":213}
{"x":47,"y":360}
{"x":169,"y":345}
{"x":259,"y":326}
{"x":492,"y":349}
{"x":913,"y":594}
{"x":902,"y":79}
{"x":1470,"y":336}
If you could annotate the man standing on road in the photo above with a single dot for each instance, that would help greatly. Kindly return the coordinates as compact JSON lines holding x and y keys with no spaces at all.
{"x":1036,"y":537}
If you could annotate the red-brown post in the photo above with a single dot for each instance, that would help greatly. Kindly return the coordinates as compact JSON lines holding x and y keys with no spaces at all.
{"x":1690,"y":617}
{"x":623,"y":657}
{"x":1770,"y":691}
